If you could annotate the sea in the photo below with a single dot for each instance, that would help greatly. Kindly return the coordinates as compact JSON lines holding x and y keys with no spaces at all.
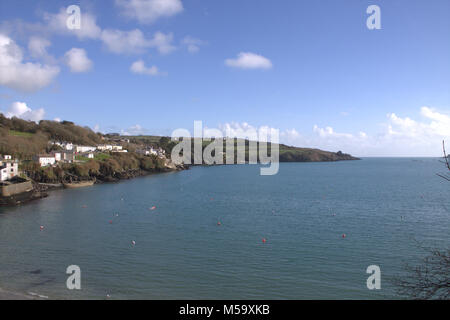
{"x":226,"y":232}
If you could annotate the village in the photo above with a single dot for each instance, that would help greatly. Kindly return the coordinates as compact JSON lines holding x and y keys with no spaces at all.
{"x":69,"y":153}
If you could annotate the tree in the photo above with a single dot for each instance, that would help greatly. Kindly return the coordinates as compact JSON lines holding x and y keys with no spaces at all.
{"x":431,"y":279}
{"x":446,"y":176}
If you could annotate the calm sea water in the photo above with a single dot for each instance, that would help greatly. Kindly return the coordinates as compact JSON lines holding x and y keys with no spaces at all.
{"x":383,"y":206}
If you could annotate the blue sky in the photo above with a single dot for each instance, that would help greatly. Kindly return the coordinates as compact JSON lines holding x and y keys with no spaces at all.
{"x":311,"y":69}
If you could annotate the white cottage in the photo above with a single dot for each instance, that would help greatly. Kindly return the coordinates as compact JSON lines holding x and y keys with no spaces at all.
{"x":9,"y":168}
{"x":45,"y":159}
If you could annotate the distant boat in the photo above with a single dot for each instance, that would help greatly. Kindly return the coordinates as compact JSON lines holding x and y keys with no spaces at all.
{"x":79,"y":184}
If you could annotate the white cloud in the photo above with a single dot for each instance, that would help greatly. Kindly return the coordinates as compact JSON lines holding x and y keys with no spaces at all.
{"x":134,"y":41}
{"x":77,"y":60}
{"x":38,"y":48}
{"x":329,"y":132}
{"x":148,"y":11}
{"x":135,"y":130}
{"x":289,"y":136}
{"x":192,"y":44}
{"x":22,"y":111}
{"x":438,"y":125}
{"x":19,"y":75}
{"x":401,"y":136}
{"x":96,"y":128}
{"x":248,"y":60}
{"x":115,"y":40}
{"x":163,"y":42}
{"x":140,"y":68}
{"x":118,"y":41}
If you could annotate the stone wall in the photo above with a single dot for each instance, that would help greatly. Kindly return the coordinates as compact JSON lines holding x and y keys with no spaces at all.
{"x":16,"y":188}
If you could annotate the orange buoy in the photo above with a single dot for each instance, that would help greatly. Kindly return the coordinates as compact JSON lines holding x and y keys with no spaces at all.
{"x":264,"y":240}
{"x":153,"y":208}
{"x":344,"y":236}
{"x":219,"y":223}
{"x":110,"y":221}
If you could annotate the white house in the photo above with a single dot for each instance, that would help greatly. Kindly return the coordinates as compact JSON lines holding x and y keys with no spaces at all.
{"x":82,"y":149}
{"x":45,"y":159}
{"x":8,"y":168}
{"x":65,"y":145}
{"x":147,"y":152}
{"x":105,"y":147}
{"x":117,"y":148}
{"x":64,"y":156}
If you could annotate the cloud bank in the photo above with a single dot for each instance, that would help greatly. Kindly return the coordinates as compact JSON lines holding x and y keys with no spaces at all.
{"x":22,"y":111}
{"x":20,"y":75}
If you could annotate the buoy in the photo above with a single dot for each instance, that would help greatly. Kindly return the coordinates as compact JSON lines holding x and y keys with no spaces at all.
{"x":133,"y":242}
{"x":264,"y":240}
{"x":108,"y":296}
{"x":42,"y":228}
{"x":110,"y":221}
{"x":219,"y":223}
{"x":344,"y":236}
{"x":153,"y":208}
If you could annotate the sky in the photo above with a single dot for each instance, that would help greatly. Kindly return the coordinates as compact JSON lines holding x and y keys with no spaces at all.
{"x":311,"y":69}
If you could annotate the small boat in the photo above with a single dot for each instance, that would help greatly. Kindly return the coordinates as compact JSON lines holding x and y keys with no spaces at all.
{"x":79,"y":184}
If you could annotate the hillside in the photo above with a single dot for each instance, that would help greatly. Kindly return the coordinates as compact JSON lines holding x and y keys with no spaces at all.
{"x":287,"y":153}
{"x":24,"y":139}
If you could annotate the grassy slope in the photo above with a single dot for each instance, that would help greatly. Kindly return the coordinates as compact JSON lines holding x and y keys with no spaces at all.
{"x":25,"y":139}
{"x":287,"y":153}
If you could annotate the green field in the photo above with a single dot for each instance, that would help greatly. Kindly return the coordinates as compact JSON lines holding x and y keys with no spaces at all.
{"x":102,"y":156}
{"x":20,"y":134}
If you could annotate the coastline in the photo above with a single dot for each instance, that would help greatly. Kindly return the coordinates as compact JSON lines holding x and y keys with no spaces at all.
{"x":10,"y":295}
{"x":41,"y":190}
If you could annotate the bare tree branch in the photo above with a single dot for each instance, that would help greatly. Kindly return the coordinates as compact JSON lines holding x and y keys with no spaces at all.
{"x":430,"y":280}
{"x":447,"y":164}
{"x":445,"y":155}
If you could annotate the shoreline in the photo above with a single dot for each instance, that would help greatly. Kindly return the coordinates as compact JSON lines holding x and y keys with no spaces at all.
{"x":41,"y":190}
{"x":13,"y":295}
